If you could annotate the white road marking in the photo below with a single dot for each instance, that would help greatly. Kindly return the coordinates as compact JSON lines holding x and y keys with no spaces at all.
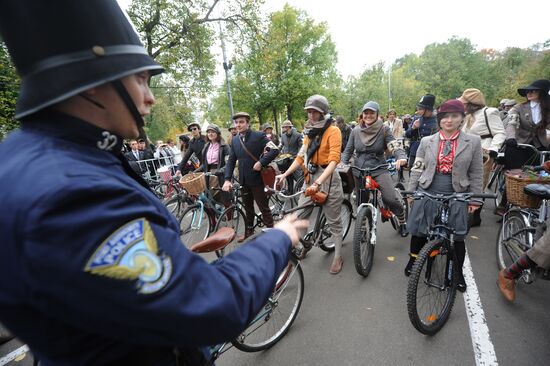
{"x":14,"y":354}
{"x":484,"y":351}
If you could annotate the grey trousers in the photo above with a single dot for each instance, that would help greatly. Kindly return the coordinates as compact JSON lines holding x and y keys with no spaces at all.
{"x":389,"y":195}
{"x":331,"y":208}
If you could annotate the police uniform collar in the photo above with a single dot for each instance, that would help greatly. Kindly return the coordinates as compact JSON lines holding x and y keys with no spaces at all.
{"x":74,"y":129}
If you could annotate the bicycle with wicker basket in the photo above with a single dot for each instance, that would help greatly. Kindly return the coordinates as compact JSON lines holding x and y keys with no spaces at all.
{"x":524,"y":220}
{"x":206,"y":215}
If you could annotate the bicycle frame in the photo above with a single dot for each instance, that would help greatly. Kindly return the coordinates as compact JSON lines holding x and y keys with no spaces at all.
{"x":316,"y":232}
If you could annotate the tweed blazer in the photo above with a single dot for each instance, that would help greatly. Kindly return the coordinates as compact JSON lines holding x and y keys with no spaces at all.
{"x":521,"y":126}
{"x":467,"y":174}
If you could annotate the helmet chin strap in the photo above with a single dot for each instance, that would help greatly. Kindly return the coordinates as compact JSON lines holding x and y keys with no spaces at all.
{"x":127,"y":99}
{"x":94,"y":102}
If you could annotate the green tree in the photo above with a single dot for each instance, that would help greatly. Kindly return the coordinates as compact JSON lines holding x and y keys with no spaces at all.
{"x":446,"y":69}
{"x":279,"y":67}
{"x":179,"y":34}
{"x":9,"y":90}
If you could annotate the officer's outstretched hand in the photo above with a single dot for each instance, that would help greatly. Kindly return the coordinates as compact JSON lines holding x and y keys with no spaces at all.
{"x":292,"y":226}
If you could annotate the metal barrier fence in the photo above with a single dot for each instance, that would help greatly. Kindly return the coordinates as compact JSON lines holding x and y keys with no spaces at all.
{"x":156,"y":169}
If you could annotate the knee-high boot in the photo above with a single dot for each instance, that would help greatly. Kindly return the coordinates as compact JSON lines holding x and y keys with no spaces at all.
{"x":460,"y":251}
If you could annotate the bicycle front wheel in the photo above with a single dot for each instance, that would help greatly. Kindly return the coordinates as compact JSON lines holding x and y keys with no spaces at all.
{"x":363,"y":249}
{"x":512,"y":239}
{"x":232,"y":217}
{"x":431,"y":291}
{"x":194,"y":225}
{"x":276,"y":317}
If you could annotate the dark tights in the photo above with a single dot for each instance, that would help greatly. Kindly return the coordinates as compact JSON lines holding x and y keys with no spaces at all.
{"x":417,"y":242}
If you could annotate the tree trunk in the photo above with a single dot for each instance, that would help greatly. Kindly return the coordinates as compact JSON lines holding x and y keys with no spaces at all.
{"x":275,"y":120}
{"x":289,"y":112}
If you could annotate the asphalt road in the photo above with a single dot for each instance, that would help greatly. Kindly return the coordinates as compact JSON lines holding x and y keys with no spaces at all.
{"x":349,"y":320}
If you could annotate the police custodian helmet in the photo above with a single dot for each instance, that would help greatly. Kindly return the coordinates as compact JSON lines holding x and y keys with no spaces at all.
{"x":62,"y":47}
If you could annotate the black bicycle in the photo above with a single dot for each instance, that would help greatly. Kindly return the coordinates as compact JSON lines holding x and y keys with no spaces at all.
{"x":431,"y":290}
{"x":321,"y":234}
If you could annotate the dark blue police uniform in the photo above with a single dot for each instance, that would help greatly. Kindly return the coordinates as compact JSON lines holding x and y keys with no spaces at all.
{"x":93,"y":270}
{"x":428,"y":126}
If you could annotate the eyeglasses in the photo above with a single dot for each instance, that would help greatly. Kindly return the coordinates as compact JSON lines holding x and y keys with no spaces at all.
{"x":532,"y":91}
{"x":194,"y":128}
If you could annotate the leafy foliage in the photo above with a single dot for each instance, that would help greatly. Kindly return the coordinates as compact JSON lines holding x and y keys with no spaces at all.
{"x":9,"y":89}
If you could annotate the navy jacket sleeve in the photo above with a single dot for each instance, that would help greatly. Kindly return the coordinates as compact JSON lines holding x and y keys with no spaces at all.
{"x":199,"y":304}
{"x":185,"y":159}
{"x":230,"y":166}
{"x":410,"y":131}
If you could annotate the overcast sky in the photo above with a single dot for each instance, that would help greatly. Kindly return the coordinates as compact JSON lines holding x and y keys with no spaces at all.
{"x":366,"y":32}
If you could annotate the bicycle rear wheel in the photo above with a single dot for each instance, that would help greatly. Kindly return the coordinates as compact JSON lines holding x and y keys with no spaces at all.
{"x":430,"y":292}
{"x":194,"y":225}
{"x":511,"y":240}
{"x":276,"y":317}
{"x":326,"y":243}
{"x":363,"y":249}
{"x":232,"y":217}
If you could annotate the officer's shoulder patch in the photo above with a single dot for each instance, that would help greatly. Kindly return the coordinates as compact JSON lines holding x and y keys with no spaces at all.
{"x":131,"y":253}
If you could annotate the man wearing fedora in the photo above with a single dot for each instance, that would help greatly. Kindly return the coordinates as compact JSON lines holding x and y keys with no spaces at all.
{"x":196,"y":144}
{"x":94,"y":271}
{"x":424,"y":124}
{"x":248,"y":148}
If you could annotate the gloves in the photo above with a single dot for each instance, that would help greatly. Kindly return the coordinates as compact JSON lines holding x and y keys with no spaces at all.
{"x":512,"y":142}
{"x":311,"y":190}
{"x":493,"y":153}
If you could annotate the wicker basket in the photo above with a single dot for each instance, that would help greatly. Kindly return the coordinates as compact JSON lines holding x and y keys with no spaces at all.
{"x":193,"y":183}
{"x":516,"y":195}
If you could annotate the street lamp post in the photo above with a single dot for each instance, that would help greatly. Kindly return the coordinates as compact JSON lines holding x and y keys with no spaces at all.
{"x":226,"y":66}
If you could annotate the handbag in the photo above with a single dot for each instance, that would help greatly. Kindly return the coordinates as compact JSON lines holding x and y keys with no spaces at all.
{"x":346,"y":175}
{"x":268,"y":172}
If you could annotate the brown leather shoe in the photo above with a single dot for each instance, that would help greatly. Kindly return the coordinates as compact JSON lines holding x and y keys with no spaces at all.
{"x":506,"y":286}
{"x":247,"y":233}
{"x":336,"y":265}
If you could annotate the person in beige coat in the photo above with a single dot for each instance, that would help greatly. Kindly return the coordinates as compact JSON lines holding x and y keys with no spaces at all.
{"x":446,"y":162}
{"x":395,"y":125}
{"x":486,"y":123}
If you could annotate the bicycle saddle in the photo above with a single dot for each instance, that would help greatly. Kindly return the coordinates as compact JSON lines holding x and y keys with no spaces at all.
{"x":217,"y":241}
{"x":538,"y":190}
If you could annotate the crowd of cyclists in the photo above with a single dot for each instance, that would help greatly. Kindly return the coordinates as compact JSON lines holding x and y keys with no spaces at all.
{"x":448,"y":149}
{"x":95,"y":260}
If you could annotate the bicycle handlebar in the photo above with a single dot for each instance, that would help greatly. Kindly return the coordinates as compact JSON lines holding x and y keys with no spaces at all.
{"x":281,"y":194}
{"x":440,"y":197}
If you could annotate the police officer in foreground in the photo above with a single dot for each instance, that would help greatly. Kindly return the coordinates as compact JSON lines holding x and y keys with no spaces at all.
{"x":93,"y":270}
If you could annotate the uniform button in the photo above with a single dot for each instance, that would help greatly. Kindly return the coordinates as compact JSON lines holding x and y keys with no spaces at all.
{"x":98,"y":51}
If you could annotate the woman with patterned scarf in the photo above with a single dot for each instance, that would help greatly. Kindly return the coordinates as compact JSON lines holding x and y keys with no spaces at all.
{"x":320,"y":154}
{"x":369,"y":141}
{"x":446,"y":162}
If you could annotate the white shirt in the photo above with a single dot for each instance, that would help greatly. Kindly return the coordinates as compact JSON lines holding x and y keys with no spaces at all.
{"x":535,"y":112}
